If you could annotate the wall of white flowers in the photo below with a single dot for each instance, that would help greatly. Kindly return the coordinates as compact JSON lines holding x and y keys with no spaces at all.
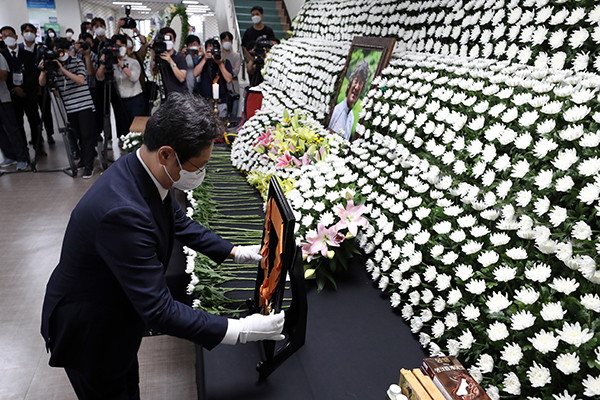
{"x":478,"y":160}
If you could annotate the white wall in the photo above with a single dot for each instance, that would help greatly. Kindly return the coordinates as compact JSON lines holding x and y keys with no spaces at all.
{"x":293,"y":7}
{"x":68,"y":14}
{"x":13,"y":13}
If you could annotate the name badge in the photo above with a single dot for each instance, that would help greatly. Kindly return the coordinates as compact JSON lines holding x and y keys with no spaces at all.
{"x":17,"y":78}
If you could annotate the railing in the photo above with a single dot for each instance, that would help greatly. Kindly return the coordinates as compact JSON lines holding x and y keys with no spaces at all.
{"x":236,"y":32}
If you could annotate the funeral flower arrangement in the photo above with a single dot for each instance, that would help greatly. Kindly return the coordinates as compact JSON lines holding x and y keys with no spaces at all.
{"x":478,"y":166}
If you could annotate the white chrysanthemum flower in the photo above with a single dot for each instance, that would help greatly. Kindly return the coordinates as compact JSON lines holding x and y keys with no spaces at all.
{"x":512,"y":353}
{"x":558,"y":215}
{"x":564,"y":184}
{"x":522,"y":320}
{"x":578,"y":38}
{"x":591,"y":385}
{"x":551,"y":108}
{"x":544,"y":179}
{"x":438,"y":328}
{"x":589,"y":194}
{"x":574,"y":334}
{"x":543,"y":147}
{"x":557,"y":39}
{"x":523,"y":198}
{"x":475,"y":286}
{"x":589,"y":167}
{"x":576,"y":15}
{"x":520,"y":169}
{"x":580,"y":63}
{"x":546,"y":126}
{"x":567,"y":363}
{"x":464,"y":272}
{"x":565,"y":159}
{"x":558,"y":60}
{"x":451,"y":320}
{"x":511,"y":384}
{"x":517,"y":253}
{"x":541,"y":206}
{"x":499,"y":239}
{"x":576,"y":113}
{"x":471,"y":312}
{"x":552,"y":312}
{"x":485,"y":363}
{"x":538,"y":375}
{"x":497,"y":331}
{"x":544,"y":342}
{"x":564,"y":285}
{"x":498,"y":302}
{"x":591,"y":302}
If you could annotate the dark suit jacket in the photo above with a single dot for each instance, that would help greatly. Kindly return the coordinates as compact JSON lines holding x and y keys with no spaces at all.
{"x":26,"y":61}
{"x":109,"y":283}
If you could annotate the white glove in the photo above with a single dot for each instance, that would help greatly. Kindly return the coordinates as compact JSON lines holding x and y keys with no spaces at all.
{"x":247,"y":254}
{"x":257,"y":327}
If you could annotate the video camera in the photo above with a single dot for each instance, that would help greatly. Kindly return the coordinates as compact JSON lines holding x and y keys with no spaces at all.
{"x":262,"y":43}
{"x":111,"y":52}
{"x":129,"y":22}
{"x":160,"y":45}
{"x":49,"y":55}
{"x":216,"y":50}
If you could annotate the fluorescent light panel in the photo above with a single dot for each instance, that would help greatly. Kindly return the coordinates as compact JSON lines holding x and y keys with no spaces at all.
{"x":126,"y":3}
{"x":190,"y":2}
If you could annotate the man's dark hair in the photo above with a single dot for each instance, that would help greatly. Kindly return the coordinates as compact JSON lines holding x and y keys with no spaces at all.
{"x":84,"y":26}
{"x":168,"y":31}
{"x":257,"y":8}
{"x":186,"y":123}
{"x":210,"y":42}
{"x":8,"y":28}
{"x":191,"y":39}
{"x":226,"y":35}
{"x":120,"y":38}
{"x":70,"y":30}
{"x":100,"y":20}
{"x":62,"y":43}
{"x":27,"y":25}
{"x":361,"y":71}
{"x":85,"y":36}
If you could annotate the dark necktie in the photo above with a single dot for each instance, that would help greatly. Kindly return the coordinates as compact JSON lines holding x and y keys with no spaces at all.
{"x":15,"y":62}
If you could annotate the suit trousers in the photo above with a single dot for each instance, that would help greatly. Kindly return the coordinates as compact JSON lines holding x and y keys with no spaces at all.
{"x":11,"y":142}
{"x":46,"y":110}
{"x":28,"y":105}
{"x":93,"y":387}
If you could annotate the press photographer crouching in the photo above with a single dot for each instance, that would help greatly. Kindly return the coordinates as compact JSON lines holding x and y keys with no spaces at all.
{"x":126,"y":74}
{"x":211,"y":69}
{"x":68,"y":74}
{"x":166,"y":60}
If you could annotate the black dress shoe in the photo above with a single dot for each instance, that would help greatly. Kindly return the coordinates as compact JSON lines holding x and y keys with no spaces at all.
{"x":41,"y":153}
{"x":51,"y":140}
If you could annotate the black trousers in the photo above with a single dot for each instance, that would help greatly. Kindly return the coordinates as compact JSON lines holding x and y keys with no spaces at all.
{"x":92,"y":387}
{"x":83,"y":128}
{"x":11,"y":142}
{"x":46,"y":114}
{"x":27,"y":105}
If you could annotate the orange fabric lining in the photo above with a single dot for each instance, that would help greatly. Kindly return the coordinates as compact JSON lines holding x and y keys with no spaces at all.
{"x":273,"y":220}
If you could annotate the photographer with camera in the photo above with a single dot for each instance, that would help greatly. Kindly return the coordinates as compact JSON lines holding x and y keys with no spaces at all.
{"x":257,"y":30}
{"x":128,"y":22}
{"x":213,"y":68}
{"x":69,"y":75}
{"x":126,"y":72}
{"x":256,"y":59}
{"x":235,"y":59}
{"x":166,"y":60}
{"x":193,"y":54}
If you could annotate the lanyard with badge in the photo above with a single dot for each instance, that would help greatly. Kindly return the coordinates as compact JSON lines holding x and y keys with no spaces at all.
{"x":17,"y":77}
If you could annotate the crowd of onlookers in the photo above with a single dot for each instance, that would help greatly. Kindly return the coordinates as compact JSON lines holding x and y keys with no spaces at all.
{"x":94,"y":72}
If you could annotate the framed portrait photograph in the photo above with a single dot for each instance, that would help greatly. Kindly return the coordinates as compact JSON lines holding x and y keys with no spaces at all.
{"x":367,"y":57}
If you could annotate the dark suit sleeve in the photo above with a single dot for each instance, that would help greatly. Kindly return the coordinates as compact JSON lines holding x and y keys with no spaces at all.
{"x":197,"y":237}
{"x":31,"y":72}
{"x":127,"y":242}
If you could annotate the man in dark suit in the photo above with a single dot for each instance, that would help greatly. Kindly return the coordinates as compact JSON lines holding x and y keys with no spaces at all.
{"x":109,"y":283}
{"x":28,"y":31}
{"x":22,"y":84}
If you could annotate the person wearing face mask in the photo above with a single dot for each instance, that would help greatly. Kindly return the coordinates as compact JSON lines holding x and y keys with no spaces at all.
{"x":12,"y":145}
{"x":235,"y":59}
{"x":126,"y":73}
{"x":75,"y":94}
{"x":255,"y":31}
{"x":210,"y":71}
{"x":69,"y":33}
{"x":173,"y":67}
{"x":109,"y":284}
{"x":86,"y":27}
{"x":29,"y":31}
{"x":342,"y":119}
{"x":23,"y":87}
{"x":193,"y":54}
{"x":99,"y":27}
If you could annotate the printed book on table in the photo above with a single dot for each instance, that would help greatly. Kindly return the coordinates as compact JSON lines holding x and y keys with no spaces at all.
{"x":453,"y":380}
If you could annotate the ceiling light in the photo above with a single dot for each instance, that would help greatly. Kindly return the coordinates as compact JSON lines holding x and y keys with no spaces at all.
{"x":190,"y":2}
{"x":126,"y":3}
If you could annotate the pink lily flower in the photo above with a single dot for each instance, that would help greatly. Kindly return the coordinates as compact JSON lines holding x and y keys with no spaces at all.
{"x":324,"y":237}
{"x":286,"y":160}
{"x":351,"y":217}
{"x":265,"y":139}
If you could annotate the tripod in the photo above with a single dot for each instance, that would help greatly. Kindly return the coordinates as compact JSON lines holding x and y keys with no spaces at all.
{"x":108,"y":86}
{"x":51,"y":94}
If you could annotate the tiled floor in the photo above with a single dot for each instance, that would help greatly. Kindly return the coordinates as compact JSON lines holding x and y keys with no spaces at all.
{"x":34,"y":211}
